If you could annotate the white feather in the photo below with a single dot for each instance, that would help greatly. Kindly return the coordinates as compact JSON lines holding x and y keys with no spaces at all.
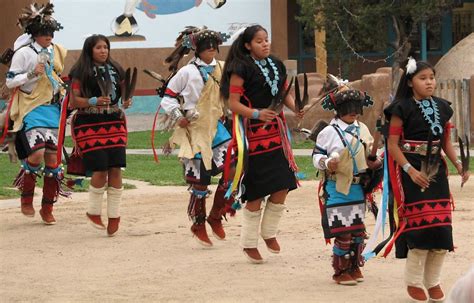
{"x":237,"y":34}
{"x":411,"y":65}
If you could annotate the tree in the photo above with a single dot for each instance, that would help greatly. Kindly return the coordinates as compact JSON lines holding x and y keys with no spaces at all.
{"x":354,"y":25}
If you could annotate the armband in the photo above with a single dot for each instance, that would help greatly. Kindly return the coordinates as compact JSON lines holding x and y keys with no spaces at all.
{"x":395,"y":130}
{"x":233,"y":89}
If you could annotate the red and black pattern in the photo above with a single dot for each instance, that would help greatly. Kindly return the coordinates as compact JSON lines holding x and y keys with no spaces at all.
{"x":100,"y":135}
{"x":101,"y":139}
{"x":263,"y":137}
{"x":429,"y":213}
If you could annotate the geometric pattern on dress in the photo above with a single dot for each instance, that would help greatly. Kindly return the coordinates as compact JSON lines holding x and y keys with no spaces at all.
{"x":426,"y":214}
{"x":345,"y":215}
{"x":101,"y":135}
{"x":219,"y":153}
{"x":40,"y":137}
{"x":343,"y":218}
{"x":192,"y":169}
{"x":263,"y":139}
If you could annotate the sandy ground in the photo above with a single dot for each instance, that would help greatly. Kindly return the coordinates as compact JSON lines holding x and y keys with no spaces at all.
{"x":155,"y":259}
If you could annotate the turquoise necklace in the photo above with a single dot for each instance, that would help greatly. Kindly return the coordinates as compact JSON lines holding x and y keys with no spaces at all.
{"x":273,"y":84}
{"x":430,"y":109}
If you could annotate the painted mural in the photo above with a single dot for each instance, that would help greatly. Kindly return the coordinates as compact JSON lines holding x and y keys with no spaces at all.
{"x":153,"y":23}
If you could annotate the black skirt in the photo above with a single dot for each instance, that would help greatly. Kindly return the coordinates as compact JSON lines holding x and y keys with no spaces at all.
{"x":427,"y":214}
{"x":101,"y":139}
{"x":268,"y":170}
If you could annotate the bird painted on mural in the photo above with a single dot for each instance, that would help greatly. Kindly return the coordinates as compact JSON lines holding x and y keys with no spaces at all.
{"x":126,"y":25}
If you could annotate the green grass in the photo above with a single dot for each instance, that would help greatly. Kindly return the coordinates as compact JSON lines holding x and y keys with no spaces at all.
{"x":139,"y":140}
{"x":8,"y":172}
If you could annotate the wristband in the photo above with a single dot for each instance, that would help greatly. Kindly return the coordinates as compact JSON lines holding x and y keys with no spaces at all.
{"x":92,"y":101}
{"x":255,"y":114}
{"x":372,"y":158}
{"x":406,"y":167}
{"x":30,"y":75}
{"x":326,"y":162}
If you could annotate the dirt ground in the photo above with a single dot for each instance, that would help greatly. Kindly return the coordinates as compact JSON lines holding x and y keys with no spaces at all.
{"x":155,"y":259}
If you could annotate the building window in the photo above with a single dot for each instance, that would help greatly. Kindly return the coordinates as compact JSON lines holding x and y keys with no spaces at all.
{"x":463,"y":22}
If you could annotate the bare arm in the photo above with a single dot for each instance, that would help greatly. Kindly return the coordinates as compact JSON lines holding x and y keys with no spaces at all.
{"x":77,"y":101}
{"x":395,"y":151}
{"x":243,"y":110}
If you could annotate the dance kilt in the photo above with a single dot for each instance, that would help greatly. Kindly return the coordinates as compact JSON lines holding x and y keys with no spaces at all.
{"x":194,"y":169}
{"x":343,"y":214}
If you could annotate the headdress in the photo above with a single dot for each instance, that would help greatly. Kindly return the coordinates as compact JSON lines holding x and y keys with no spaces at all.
{"x":342,"y":98}
{"x":36,"y":19}
{"x":411,"y":66}
{"x":196,"y":39}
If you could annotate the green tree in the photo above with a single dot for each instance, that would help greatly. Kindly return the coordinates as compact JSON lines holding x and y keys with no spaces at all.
{"x":354,"y":25}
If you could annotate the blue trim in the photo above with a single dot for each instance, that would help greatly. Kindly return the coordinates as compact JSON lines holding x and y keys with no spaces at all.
{"x":339,"y":252}
{"x":446,"y":32}
{"x":424,"y":42}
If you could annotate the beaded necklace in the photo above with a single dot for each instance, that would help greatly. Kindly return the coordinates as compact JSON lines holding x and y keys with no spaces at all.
{"x":430,"y":109}
{"x":273,"y":84}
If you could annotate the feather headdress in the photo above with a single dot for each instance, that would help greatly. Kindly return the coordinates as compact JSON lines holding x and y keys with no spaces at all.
{"x":38,"y":19}
{"x":192,"y":38}
{"x":342,"y":98}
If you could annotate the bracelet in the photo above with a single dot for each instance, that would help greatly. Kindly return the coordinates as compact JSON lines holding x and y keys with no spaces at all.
{"x":372,"y":158}
{"x":176,"y":114}
{"x":326,"y":162}
{"x":255,"y":114}
{"x":92,"y":101}
{"x":31,"y":74}
{"x":458,"y":162}
{"x":322,"y":163}
{"x":406,"y":167}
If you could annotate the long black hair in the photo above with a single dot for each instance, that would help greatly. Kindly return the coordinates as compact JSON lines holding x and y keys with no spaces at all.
{"x":404,"y":91}
{"x":238,"y":56}
{"x":83,"y":69}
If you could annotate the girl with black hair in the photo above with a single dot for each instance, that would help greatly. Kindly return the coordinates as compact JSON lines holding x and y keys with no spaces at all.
{"x":99,"y":127}
{"x":419,"y":130}
{"x":252,"y":78}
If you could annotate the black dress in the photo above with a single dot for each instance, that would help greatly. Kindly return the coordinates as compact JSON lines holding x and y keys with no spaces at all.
{"x":101,"y":137}
{"x":267,"y":169}
{"x":427,"y":214}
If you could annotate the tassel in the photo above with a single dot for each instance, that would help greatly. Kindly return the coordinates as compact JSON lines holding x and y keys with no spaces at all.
{"x":62,"y":129}
{"x":7,"y":117}
{"x":155,"y":154}
{"x":300,"y":176}
{"x":70,"y":183}
{"x":236,"y":205}
{"x":230,"y":210}
{"x":167,"y":149}
{"x":18,"y":182}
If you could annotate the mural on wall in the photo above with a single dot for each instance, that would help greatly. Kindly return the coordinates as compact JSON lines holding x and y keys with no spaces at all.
{"x":126,"y":25}
{"x":153,"y":23}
